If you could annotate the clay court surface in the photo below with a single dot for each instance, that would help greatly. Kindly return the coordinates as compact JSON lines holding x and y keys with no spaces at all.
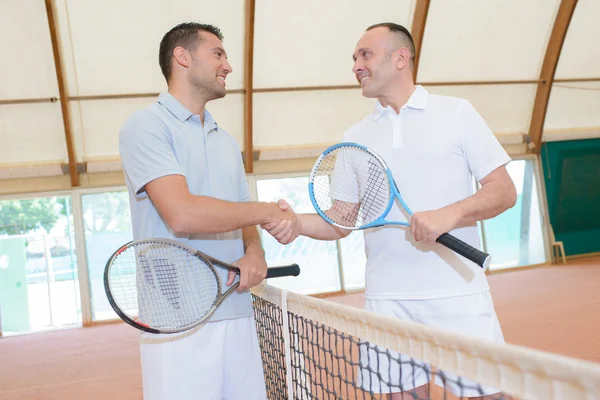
{"x":551,"y":308}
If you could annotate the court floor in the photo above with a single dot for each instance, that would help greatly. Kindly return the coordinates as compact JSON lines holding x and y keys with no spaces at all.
{"x":548,"y":308}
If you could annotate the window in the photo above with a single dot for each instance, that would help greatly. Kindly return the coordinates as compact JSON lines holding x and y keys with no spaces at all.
{"x":39,"y":286}
{"x":516,"y":237}
{"x":39,"y":279}
{"x":107,"y":224}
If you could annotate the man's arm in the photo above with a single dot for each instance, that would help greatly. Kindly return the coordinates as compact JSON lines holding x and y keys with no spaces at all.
{"x":151,"y":165}
{"x":314,"y":226}
{"x":497,"y":194}
{"x":186,"y":213}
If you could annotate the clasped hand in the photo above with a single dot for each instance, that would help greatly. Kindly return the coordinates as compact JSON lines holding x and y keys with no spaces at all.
{"x":287,"y":229}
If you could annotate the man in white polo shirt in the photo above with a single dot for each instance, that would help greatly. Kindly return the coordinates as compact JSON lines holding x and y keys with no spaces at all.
{"x":434,"y":145}
{"x":186,"y":182}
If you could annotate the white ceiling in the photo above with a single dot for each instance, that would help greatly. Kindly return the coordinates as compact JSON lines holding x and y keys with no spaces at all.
{"x":110,"y":48}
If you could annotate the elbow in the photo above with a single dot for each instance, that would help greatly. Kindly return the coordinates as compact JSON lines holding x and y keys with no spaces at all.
{"x":342,"y":233}
{"x":177,"y":223}
{"x":511,"y":196}
{"x":177,"y":220}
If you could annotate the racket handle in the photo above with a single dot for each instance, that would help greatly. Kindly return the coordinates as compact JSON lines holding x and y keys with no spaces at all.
{"x":286,"y":270}
{"x":477,"y":256}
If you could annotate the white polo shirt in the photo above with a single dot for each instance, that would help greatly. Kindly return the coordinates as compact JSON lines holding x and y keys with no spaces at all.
{"x":433,"y":148}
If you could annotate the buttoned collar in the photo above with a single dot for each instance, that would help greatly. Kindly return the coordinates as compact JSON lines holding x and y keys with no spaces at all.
{"x":182,"y":113}
{"x":417,"y":101}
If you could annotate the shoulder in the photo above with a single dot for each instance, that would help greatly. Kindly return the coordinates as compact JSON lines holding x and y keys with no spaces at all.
{"x":357,"y":132}
{"x":144,"y":120}
{"x":227,"y":140}
{"x":437,"y":102}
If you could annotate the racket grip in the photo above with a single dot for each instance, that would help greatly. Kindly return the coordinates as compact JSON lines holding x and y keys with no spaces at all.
{"x":477,"y":256}
{"x":287,"y":270}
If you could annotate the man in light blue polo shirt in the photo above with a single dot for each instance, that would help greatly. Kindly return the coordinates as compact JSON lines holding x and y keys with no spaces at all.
{"x":186,"y":182}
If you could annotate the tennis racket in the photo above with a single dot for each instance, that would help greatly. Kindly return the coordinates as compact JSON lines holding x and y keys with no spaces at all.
{"x":352,"y":187}
{"x":163,"y":286}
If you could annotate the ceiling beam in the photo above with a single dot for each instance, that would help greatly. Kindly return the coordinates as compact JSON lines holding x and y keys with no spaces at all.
{"x":293,"y":89}
{"x":577,"y":80}
{"x":62,"y":90}
{"x":29,"y":101}
{"x":249,"y":86}
{"x":418,"y":30}
{"x":542,"y":96}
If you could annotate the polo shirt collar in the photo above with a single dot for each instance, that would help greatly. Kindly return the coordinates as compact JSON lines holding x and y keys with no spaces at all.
{"x":174,"y":106}
{"x":417,"y":101}
{"x":181,"y":113}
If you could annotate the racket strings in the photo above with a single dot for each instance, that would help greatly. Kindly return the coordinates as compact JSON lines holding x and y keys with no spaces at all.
{"x":377,"y":190}
{"x":167,"y":281}
{"x":197,"y":291}
{"x":351,"y":187}
{"x":163,"y":286}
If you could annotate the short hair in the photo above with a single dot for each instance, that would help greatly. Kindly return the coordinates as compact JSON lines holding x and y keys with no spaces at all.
{"x":186,"y":35}
{"x":401,"y":32}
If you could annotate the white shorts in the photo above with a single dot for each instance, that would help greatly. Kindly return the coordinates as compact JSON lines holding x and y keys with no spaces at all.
{"x":220,"y":360}
{"x":471,"y":315}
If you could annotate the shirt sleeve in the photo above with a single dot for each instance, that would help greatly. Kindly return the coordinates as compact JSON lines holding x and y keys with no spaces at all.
{"x":146,"y":150}
{"x":244,"y":192}
{"x":343,"y":176}
{"x":481,"y":148}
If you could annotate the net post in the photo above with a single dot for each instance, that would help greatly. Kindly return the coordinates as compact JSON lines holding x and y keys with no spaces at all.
{"x":286,"y":345}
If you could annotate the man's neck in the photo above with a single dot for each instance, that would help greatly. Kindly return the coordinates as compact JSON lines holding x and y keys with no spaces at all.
{"x":398,"y":96}
{"x":190,"y":100}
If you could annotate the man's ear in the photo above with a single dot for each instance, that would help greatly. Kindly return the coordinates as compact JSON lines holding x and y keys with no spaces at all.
{"x":182,"y":57}
{"x":402,"y":58}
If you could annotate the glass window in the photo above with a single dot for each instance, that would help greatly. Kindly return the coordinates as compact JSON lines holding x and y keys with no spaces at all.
{"x":318,"y":260}
{"x":39,"y":286}
{"x":515,"y":237}
{"x":107,"y":223}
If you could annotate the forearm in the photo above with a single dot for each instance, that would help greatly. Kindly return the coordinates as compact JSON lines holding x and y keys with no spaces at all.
{"x":252,"y":242}
{"x":314,"y":226}
{"x":202,"y":214}
{"x":186,"y":213}
{"x":489,"y":201}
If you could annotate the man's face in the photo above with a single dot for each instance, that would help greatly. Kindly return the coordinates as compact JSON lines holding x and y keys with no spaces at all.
{"x":374,"y":67}
{"x":209,"y":67}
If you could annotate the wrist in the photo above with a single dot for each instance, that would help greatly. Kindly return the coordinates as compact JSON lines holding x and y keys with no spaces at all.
{"x":457,"y":213}
{"x":301,"y":225}
{"x":270,"y":213}
{"x":255,"y":248}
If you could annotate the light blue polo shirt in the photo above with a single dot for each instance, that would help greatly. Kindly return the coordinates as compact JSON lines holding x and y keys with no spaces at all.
{"x":167,"y":139}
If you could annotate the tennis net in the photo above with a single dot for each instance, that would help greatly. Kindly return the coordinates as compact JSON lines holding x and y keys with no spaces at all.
{"x":317,"y":349}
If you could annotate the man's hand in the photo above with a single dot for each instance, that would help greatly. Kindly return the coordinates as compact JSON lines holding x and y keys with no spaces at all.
{"x":253,"y":270}
{"x":287,"y":230}
{"x":427,"y":226}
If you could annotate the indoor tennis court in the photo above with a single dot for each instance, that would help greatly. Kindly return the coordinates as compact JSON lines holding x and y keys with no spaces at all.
{"x":75,"y":71}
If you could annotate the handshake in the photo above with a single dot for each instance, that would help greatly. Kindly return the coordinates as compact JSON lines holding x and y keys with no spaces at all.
{"x":284,"y":225}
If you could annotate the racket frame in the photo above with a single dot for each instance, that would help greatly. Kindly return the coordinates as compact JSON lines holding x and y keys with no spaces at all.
{"x":294,"y":270}
{"x":475,"y":255}
{"x":395,"y":193}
